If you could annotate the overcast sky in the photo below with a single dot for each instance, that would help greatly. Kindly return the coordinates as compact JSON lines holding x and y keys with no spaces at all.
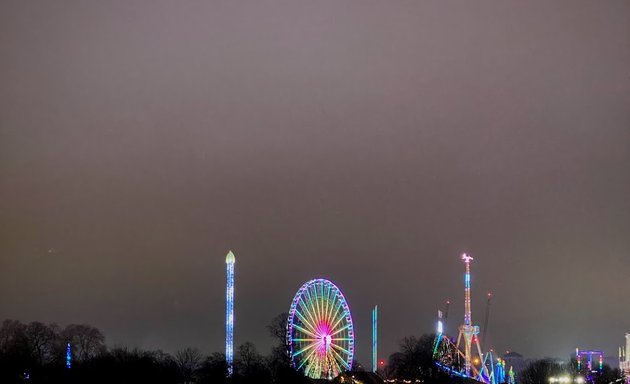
{"x":368,"y":142}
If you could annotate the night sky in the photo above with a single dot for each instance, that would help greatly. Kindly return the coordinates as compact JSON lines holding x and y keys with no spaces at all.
{"x":368,"y":142}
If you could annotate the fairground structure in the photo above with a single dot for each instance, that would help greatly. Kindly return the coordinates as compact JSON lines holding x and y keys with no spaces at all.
{"x":590,"y":363}
{"x":374,"y":338}
{"x":464,"y":356}
{"x":230,"y":260}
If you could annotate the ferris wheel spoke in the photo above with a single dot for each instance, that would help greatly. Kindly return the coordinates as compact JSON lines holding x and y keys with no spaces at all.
{"x":342,"y":364}
{"x":311,"y":303}
{"x":306,"y":322}
{"x":313,"y":299}
{"x":305,"y":330}
{"x":308,"y":368}
{"x":341,"y":329}
{"x":303,"y":350}
{"x":323,"y":300}
{"x":329,"y":303}
{"x":320,"y":365}
{"x":342,"y":339}
{"x":340,"y":348}
{"x":337,"y":368}
{"x":318,"y":303}
{"x":304,"y":305}
{"x":310,"y":311}
{"x":341,"y":317}
{"x":333,"y":319}
{"x":335,"y":359}
{"x":339,"y":358}
{"x":315,"y":365}
{"x":308,"y":357}
{"x":313,"y":311}
{"x":334,"y":312}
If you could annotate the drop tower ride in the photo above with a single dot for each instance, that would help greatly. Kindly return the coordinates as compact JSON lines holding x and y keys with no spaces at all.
{"x":229,"y":313}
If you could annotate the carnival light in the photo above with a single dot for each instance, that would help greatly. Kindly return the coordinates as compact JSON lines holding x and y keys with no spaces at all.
{"x":374,"y":337}
{"x":567,"y":379}
{"x":463,"y":356}
{"x":229,"y":313}
{"x":588,"y":354}
{"x":68,"y":356}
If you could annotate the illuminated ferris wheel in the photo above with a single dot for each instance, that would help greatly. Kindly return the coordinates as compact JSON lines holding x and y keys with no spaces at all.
{"x":319,"y":330}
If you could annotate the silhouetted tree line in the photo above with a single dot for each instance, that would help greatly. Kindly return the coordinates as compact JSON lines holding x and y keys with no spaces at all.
{"x":36,"y":353}
{"x":539,"y":372}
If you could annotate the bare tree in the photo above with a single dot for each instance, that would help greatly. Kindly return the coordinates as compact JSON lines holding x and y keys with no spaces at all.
{"x":278,"y":328}
{"x":87,"y":342}
{"x":41,"y":341}
{"x":213,"y":370}
{"x":539,"y":371}
{"x":188,"y":361}
{"x":12,"y":335}
{"x":248,"y":357}
{"x":251,"y":365}
{"x":414,"y":360}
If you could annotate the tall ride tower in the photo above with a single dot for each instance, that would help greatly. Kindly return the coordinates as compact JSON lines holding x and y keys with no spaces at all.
{"x":229,"y":313}
{"x":468,"y":312}
{"x":464,"y":358}
{"x":468,"y":333}
{"x":374,"y":338}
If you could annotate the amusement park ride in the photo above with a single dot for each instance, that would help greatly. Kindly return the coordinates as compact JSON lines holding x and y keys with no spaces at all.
{"x":463,"y":356}
{"x":589,"y":369}
{"x":320,"y":334}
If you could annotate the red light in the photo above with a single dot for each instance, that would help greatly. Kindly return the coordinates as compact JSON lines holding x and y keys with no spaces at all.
{"x":382,"y":362}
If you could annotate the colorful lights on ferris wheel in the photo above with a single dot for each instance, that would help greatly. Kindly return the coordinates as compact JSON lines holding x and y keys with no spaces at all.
{"x":320,"y":332}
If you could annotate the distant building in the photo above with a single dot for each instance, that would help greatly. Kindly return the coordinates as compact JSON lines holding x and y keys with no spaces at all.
{"x":624,"y":358}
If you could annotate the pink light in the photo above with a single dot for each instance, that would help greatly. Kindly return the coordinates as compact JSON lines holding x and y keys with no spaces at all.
{"x":324,"y":333}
